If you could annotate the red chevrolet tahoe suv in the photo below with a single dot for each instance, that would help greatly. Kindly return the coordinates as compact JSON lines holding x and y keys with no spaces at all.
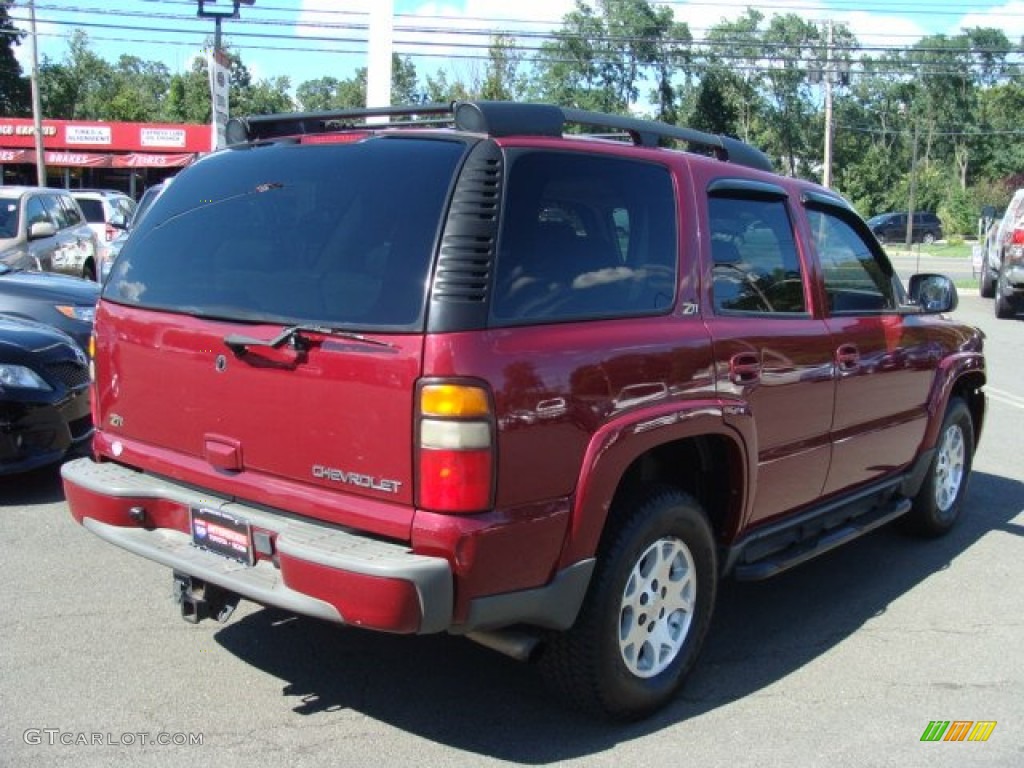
{"x":473,"y":370}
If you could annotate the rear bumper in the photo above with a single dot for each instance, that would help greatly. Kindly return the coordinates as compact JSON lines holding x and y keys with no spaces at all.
{"x":311,"y":569}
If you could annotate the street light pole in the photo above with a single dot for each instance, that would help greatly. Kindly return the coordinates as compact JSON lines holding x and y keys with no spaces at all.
{"x":218,"y":67}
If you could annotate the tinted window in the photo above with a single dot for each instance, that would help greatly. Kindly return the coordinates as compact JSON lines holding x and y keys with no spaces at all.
{"x":755,"y":263}
{"x":58,"y":213}
{"x":8,"y":217}
{"x":855,"y":280}
{"x":584,"y":237}
{"x":339,"y":234}
{"x":36,"y":211}
{"x":93,"y":209}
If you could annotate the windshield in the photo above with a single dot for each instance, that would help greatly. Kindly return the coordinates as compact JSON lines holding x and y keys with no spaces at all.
{"x":333,"y":234}
{"x":8,"y":217}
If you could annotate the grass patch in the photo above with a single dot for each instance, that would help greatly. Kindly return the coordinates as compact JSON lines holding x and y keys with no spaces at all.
{"x":943,"y":250}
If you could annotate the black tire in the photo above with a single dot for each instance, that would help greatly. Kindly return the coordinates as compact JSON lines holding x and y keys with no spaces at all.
{"x":89,"y":271}
{"x":986,"y":283}
{"x":928,"y":238}
{"x":1004,"y":306}
{"x":938,"y":503}
{"x":599,"y":665}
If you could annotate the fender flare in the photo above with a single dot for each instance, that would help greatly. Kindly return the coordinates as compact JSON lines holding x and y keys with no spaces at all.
{"x":619,"y":443}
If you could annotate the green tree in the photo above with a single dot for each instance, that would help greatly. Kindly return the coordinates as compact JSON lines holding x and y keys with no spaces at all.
{"x":80,"y":86}
{"x":139,"y":90}
{"x":14,"y":87}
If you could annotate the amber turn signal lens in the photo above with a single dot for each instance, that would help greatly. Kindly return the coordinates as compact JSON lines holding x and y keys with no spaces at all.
{"x":455,"y":400}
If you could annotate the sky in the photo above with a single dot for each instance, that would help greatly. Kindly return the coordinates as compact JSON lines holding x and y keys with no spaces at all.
{"x":308,"y":39}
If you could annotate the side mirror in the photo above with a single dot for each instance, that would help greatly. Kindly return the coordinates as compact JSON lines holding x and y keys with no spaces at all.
{"x":933,"y":293}
{"x":117,"y":221}
{"x":40,"y":229}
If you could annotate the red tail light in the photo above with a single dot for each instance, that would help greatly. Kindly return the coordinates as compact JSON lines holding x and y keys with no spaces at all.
{"x":1017,"y":238}
{"x":455,"y":458}
{"x":109,"y":232}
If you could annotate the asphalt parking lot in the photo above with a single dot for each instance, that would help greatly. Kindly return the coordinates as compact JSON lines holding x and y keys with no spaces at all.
{"x":842,"y":662}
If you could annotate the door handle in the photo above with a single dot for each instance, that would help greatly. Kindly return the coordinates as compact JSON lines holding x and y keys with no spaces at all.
{"x":848,"y":357}
{"x":745,"y":368}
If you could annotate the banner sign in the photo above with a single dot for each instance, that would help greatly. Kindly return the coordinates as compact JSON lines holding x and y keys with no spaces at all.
{"x":220,"y":76}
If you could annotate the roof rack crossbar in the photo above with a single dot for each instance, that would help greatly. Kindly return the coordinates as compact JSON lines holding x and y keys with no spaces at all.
{"x":241,"y":130}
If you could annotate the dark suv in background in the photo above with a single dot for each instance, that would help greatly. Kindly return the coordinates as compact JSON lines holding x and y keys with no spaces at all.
{"x":473,"y":371}
{"x":892,"y":227}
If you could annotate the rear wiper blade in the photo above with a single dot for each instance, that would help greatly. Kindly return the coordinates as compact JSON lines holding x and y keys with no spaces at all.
{"x":293,"y":336}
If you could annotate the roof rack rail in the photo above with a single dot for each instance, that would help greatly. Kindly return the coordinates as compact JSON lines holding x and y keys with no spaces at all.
{"x":494,"y":118}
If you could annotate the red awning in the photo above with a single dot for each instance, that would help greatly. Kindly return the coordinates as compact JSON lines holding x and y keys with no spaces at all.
{"x":59,"y":159}
{"x":141,"y":160}
{"x":14,"y":156}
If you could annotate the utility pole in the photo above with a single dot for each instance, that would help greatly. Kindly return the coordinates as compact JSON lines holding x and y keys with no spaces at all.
{"x":37,"y":110}
{"x":826,"y":177}
{"x":913,"y":188}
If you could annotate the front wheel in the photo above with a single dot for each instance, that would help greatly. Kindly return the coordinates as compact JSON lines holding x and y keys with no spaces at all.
{"x":937,"y":504}
{"x":928,"y":238}
{"x":646,"y":613}
{"x":986,"y":283}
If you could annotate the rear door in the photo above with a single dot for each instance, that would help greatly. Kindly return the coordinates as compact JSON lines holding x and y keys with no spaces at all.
{"x":771,"y":352}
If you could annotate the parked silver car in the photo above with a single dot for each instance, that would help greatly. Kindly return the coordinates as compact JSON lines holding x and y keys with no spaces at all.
{"x":44,"y":229}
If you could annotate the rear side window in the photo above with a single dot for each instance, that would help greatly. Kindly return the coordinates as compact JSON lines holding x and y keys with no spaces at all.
{"x":755,"y":264}
{"x":93,"y":210}
{"x":335,"y":234}
{"x":584,"y":237}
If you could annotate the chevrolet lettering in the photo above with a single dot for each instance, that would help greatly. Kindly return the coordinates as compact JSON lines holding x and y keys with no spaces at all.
{"x":354,"y":478}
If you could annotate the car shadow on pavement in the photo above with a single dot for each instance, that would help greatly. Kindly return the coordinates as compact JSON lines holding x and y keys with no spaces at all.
{"x":450,"y":691}
{"x":39,"y":486}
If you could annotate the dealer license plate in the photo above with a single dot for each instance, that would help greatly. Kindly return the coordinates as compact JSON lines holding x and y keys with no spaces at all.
{"x":217,"y":531}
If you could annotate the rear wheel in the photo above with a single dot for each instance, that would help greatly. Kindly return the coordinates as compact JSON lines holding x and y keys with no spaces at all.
{"x":646,"y":613}
{"x":1004,"y":306}
{"x":928,"y":238}
{"x":937,"y":504}
{"x":89,"y":271}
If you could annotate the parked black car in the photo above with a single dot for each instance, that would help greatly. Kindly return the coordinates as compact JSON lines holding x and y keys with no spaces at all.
{"x":67,"y":303}
{"x":892,"y":227}
{"x":44,"y":395}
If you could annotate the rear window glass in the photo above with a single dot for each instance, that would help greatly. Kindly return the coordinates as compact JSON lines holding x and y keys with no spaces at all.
{"x":336,"y":234}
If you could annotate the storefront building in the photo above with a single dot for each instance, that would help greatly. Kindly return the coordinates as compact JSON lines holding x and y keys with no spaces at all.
{"x":105,"y":155}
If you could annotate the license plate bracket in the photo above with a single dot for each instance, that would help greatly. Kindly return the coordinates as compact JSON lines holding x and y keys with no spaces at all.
{"x":222,"y":533}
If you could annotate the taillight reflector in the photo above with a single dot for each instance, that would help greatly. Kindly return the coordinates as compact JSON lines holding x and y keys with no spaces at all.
{"x":1017,"y":238}
{"x":455,"y":481}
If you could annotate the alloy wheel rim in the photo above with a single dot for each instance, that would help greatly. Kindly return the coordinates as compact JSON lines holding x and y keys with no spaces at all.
{"x":657,"y":607}
{"x":949,"y":468}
